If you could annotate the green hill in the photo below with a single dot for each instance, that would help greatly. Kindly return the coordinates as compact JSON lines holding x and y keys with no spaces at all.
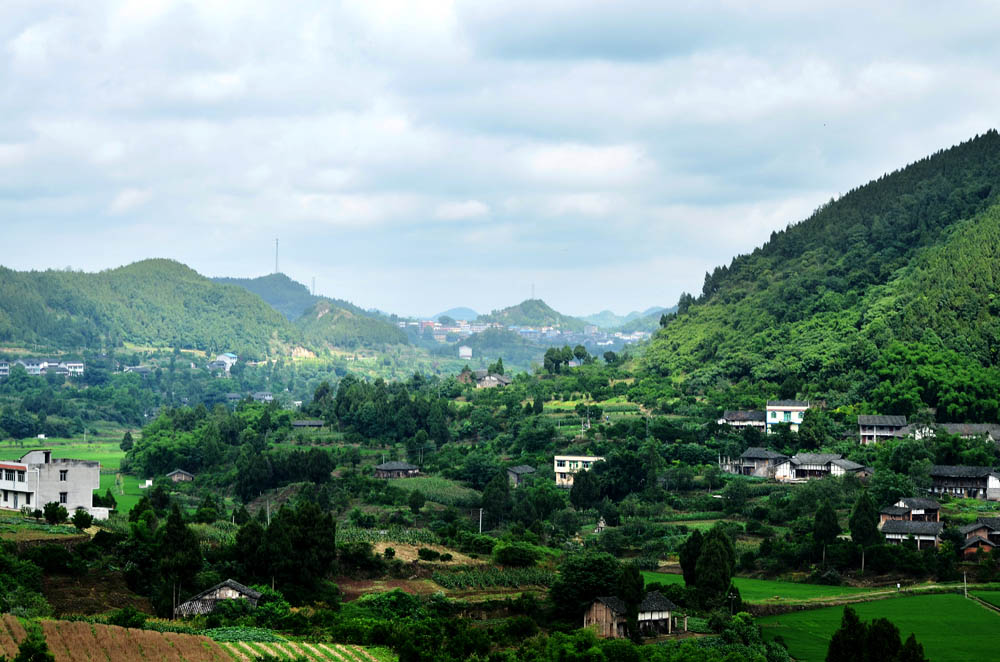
{"x":152,"y":302}
{"x":533,"y":312}
{"x":886,"y":296}
{"x":329,"y":324}
{"x":288,"y":297}
{"x":609,"y":320}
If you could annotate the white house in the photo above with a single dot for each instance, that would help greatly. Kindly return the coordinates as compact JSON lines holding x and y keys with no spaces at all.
{"x":804,"y":466}
{"x":228,"y":358}
{"x":465,"y":352}
{"x":37,"y":479}
{"x":4,"y":369}
{"x":567,"y":465}
{"x":786,"y":411}
{"x":743,"y":419}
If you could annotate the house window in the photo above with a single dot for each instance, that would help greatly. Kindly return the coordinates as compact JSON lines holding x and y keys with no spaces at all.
{"x":8,"y":474}
{"x":560,"y":463}
{"x":63,"y":497}
{"x":20,"y":476}
{"x":63,"y":473}
{"x":27,"y":499}
{"x":774,"y":415}
{"x":788,"y":416}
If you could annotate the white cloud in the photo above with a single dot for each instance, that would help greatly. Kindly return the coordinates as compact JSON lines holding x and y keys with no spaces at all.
{"x":457,"y":211}
{"x":129,"y":200}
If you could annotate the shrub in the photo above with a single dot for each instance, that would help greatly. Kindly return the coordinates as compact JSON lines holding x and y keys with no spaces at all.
{"x":127,"y":617}
{"x":515,"y":554}
{"x":389,"y":553}
{"x":82,"y":519}
{"x":55,"y":513}
{"x":428,"y":554}
{"x":447,"y":557}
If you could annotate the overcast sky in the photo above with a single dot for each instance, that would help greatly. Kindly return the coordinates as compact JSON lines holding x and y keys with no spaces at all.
{"x":418,"y":156}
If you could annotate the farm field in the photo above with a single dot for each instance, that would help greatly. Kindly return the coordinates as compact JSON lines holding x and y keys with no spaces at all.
{"x":115,"y":644}
{"x":130,"y":486}
{"x":992,"y":597}
{"x":101,"y":449}
{"x":774,"y":592}
{"x":16,"y":528}
{"x":950,"y":627}
{"x":441,"y":490}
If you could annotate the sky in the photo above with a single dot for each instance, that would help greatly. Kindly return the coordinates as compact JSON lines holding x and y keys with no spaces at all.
{"x":417,"y":156}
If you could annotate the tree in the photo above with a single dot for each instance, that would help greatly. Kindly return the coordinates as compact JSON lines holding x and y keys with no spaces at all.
{"x":610,"y":358}
{"x":864,"y":521}
{"x":537,"y":406}
{"x":713,"y":571}
{"x":33,"y":648}
{"x":689,"y":553}
{"x":55,"y":513}
{"x":497,"y":502}
{"x":849,"y":642}
{"x":416,"y":501}
{"x":632,"y":591}
{"x":735,"y":495}
{"x":127,"y":442}
{"x":586,"y":490}
{"x":874,"y":642}
{"x":496,"y":368}
{"x":826,"y":528}
{"x":179,"y":554}
{"x":580,"y":353}
{"x":82,"y":519}
{"x":582,"y":578}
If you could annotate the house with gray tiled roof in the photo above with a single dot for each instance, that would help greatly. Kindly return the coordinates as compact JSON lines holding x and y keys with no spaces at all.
{"x":873,"y":429}
{"x":657,"y":615}
{"x":805,"y":466}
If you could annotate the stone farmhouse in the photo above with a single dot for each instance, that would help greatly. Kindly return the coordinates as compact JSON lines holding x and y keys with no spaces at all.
{"x":37,"y":479}
{"x":754,"y":461}
{"x":657,"y":615}
{"x":567,"y":465}
{"x":873,"y":429}
{"x":206,"y":601}
{"x":804,"y":466}
{"x":964,"y":481}
{"x":911,"y":509}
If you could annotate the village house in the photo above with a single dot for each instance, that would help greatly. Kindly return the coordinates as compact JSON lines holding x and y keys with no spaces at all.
{"x":483,"y":379}
{"x":567,"y":465}
{"x":37,"y":479}
{"x":465,"y":352}
{"x":46,"y":367}
{"x":396,"y":469}
{"x":911,"y":509}
{"x":263,"y":396}
{"x":180,"y":476}
{"x":308,"y":423}
{"x":785,"y":411}
{"x":754,"y":461}
{"x":743,"y":419}
{"x":517,"y":475}
{"x":873,"y":429}
{"x":206,"y":601}
{"x":804,"y":466}
{"x":228,"y":359}
{"x":925,"y":534}
{"x":964,"y":481}
{"x":657,"y":615}
{"x":4,"y":369}
{"x":983,"y":534}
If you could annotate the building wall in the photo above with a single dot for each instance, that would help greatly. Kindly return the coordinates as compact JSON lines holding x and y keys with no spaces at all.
{"x":572,"y":464}
{"x":603,"y":619}
{"x":82,"y":478}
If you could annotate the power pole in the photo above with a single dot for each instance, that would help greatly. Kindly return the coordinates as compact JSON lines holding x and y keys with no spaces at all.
{"x":275,"y":255}
{"x":480,"y":520}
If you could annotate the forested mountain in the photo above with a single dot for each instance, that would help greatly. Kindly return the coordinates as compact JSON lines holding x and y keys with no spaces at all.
{"x":886,"y":296}
{"x":647,"y":323}
{"x":533,"y":312}
{"x":329,"y":324}
{"x":290,"y":298}
{"x":609,"y":320}
{"x":154,"y":302}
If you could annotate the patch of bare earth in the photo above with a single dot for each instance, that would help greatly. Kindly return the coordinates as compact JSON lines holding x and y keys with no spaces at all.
{"x":408,"y":553}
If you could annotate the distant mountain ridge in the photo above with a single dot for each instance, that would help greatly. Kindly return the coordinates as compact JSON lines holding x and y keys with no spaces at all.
{"x":609,"y":320}
{"x":533,"y":313}
{"x":461,"y":313}
{"x":288,"y":297}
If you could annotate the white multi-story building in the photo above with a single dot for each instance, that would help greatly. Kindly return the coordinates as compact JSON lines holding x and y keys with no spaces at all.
{"x":786,"y":411}
{"x":37,"y":479}
{"x":4,"y":369}
{"x":567,"y":465}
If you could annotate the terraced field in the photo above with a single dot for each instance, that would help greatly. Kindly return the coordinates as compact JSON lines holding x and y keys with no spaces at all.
{"x":76,"y":641}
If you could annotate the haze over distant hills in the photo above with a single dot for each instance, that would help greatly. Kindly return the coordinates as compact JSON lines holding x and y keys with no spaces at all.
{"x":461,"y":313}
{"x":534,"y":313}
{"x":609,"y":320}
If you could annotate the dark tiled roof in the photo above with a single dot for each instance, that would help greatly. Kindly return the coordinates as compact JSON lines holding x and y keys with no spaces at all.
{"x":758,"y":453}
{"x":977,"y":540}
{"x":522,"y":469}
{"x":916,"y":503}
{"x":991,"y":522}
{"x":959,"y":471}
{"x":815,"y":458}
{"x":894,"y":510}
{"x":787,"y":403}
{"x":740,"y":415}
{"x":972,"y":429}
{"x":235,"y":585}
{"x":975,"y":526}
{"x":890,"y":421}
{"x":656,"y":601}
{"x":396,"y":466}
{"x":906,"y":527}
{"x":847,"y":465}
{"x":180,"y":471}
{"x":308,"y":423}
{"x":615,"y":604}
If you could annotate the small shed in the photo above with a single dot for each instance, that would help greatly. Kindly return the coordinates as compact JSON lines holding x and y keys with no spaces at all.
{"x":180,"y":476}
{"x":308,"y":423}
{"x":396,"y":469}
{"x":657,"y":615}
{"x":517,"y":475}
{"x":206,"y":601}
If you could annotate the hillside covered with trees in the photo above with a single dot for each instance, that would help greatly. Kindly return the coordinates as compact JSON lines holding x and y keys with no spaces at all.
{"x":886,"y":296}
{"x":533,"y":312}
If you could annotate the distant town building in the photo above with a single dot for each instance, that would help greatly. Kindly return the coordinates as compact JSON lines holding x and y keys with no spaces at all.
{"x":786,"y":411}
{"x":567,"y":465}
{"x":4,"y":369}
{"x":465,"y":352}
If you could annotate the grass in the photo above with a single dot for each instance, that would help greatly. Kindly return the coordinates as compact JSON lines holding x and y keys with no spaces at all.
{"x":950,"y":627}
{"x":773,"y":592}
{"x":441,"y":490}
{"x":130,"y":485}
{"x":105,"y":451}
{"x":992,"y":597}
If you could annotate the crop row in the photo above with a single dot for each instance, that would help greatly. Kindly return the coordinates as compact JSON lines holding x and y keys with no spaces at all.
{"x":241,"y":633}
{"x":494,"y":578}
{"x":299,"y":651}
{"x":78,"y":641}
{"x":347,"y":534}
